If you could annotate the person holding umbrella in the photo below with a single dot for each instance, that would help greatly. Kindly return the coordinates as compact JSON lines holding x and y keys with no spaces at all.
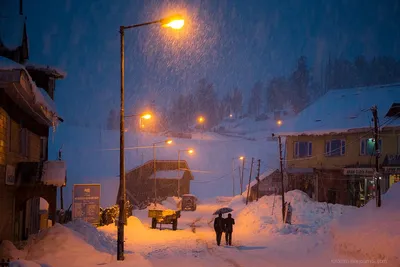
{"x":219,"y":227}
{"x":219,"y":223}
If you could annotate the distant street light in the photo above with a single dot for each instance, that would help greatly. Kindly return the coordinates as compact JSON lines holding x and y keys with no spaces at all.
{"x":174,"y":22}
{"x":201,"y":121}
{"x":168,"y":142}
{"x":279,"y":122}
{"x":230,"y":115}
{"x":190,"y":151}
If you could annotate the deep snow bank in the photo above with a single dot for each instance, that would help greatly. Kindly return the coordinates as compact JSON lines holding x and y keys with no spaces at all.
{"x":265,"y":215}
{"x":372,"y":232}
{"x":60,"y":244}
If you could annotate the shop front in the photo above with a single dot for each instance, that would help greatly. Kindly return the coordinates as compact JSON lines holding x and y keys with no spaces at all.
{"x":361,"y":185}
{"x":391,"y":171}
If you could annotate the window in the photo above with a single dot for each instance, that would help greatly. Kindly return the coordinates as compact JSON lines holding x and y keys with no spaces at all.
{"x":367,"y":146}
{"x":335,"y":147}
{"x":24,"y":142}
{"x":43,"y":148}
{"x":302,"y":149}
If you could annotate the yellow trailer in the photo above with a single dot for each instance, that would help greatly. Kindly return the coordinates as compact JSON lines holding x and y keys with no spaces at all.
{"x":164,"y":217}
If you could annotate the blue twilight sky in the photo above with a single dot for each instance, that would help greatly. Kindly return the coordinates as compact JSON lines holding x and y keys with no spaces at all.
{"x":229,"y":42}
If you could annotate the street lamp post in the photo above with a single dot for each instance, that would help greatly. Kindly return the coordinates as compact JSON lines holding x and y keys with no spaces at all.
{"x":243,"y":159}
{"x":190,"y":151}
{"x":154,"y":168}
{"x":175,"y":22}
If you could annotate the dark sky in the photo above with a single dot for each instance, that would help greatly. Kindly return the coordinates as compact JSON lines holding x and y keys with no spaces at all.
{"x":229,"y":42}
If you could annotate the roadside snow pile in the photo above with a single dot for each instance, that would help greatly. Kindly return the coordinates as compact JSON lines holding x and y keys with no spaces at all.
{"x":265,"y":216}
{"x":92,"y":236}
{"x":59,"y":244}
{"x":9,"y":251}
{"x":372,"y":232}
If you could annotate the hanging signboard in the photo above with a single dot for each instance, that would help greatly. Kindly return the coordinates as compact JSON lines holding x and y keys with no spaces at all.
{"x":358,"y":171}
{"x":86,"y":203}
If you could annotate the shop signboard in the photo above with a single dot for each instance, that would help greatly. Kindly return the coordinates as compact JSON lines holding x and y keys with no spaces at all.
{"x":359,"y":171}
{"x":86,"y":203}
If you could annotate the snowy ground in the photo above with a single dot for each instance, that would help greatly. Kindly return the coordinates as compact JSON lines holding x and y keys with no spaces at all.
{"x":259,"y":238}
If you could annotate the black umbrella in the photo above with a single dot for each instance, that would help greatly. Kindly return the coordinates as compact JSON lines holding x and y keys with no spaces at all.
{"x":223,"y":210}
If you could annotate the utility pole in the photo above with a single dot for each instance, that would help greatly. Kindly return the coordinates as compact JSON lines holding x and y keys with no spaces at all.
{"x":258,"y":178}
{"x":241,"y":177}
{"x":374,"y":110}
{"x":233,"y":177}
{"x":61,"y":187}
{"x":283,"y":188}
{"x":248,"y":187}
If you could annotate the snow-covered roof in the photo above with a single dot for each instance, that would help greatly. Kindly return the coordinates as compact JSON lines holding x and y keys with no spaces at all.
{"x":11,"y":30}
{"x":170,"y":174}
{"x":263,"y":176}
{"x":52,"y":71}
{"x":41,"y":97}
{"x":8,"y":64}
{"x":345,"y":110}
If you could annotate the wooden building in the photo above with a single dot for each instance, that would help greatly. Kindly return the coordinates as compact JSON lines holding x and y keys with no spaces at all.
{"x":26,"y":114}
{"x":142,"y":188}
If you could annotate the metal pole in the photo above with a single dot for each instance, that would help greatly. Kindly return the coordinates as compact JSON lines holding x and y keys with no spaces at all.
{"x":154,"y":175}
{"x":283,"y":189}
{"x":120,"y":239}
{"x":179,"y":168}
{"x":248,"y":187}
{"x":377,"y":154}
{"x":241,"y":178}
{"x":233,"y":177}
{"x":258,"y":179}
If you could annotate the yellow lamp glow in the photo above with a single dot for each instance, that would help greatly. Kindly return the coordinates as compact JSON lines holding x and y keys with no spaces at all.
{"x":190,"y":151}
{"x":169,"y":142}
{"x":146,"y":116}
{"x":279,"y":122}
{"x":175,"y":22}
{"x":241,"y":158}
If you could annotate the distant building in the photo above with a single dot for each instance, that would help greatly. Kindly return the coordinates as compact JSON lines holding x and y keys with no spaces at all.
{"x":141,"y":187}
{"x":329,"y":150}
{"x":27,"y":112}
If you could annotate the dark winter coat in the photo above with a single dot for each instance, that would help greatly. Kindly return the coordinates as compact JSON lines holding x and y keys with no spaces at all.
{"x":219,"y":224}
{"x":229,"y":222}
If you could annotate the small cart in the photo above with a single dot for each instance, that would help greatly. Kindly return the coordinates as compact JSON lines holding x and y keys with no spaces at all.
{"x":164,"y":217}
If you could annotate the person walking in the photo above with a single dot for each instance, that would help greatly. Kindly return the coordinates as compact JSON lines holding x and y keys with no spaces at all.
{"x":229,"y":222}
{"x":219,"y":228}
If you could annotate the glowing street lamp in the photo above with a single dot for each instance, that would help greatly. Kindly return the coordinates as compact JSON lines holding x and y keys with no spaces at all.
{"x":243,"y":159}
{"x":279,"y":122}
{"x":174,"y":22}
{"x":189,"y":151}
{"x":201,"y":119}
